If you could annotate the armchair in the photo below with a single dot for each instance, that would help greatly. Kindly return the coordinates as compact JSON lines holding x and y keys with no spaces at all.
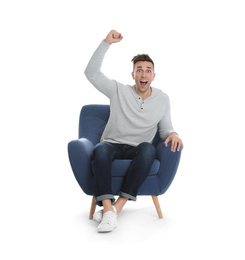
{"x":93,"y":119}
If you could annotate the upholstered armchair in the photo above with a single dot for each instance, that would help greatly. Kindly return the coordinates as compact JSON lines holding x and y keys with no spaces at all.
{"x":93,"y":119}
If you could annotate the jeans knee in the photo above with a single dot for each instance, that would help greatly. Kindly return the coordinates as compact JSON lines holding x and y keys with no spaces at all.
{"x":148,"y":150}
{"x":101,"y":151}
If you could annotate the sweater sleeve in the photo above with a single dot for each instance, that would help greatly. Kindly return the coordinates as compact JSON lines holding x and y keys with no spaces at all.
{"x":165,"y":125}
{"x":93,"y":72}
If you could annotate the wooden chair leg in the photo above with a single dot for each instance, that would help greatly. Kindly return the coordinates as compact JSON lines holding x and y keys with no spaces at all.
{"x":157,"y":205}
{"x":92,"y":209}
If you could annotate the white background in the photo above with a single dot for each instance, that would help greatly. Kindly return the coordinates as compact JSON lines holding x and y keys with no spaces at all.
{"x":198,"y":49}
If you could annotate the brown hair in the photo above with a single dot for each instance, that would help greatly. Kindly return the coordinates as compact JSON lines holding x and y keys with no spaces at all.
{"x":142,"y":57}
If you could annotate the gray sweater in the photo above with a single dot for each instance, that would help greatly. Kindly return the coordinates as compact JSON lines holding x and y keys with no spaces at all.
{"x":132,"y":121}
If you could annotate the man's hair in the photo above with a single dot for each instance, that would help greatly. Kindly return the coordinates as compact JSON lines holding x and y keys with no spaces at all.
{"x":142,"y":57}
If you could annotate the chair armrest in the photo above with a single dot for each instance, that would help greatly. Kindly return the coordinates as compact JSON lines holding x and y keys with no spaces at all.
{"x":80,"y":152}
{"x":169,"y":162}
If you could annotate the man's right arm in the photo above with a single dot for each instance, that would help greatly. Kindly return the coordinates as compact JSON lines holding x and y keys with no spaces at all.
{"x":93,"y":69}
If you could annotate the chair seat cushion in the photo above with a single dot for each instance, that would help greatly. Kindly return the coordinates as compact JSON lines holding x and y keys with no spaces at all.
{"x":120,"y":167}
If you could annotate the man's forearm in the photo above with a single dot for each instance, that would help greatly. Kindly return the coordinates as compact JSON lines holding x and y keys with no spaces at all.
{"x":94,"y":74}
{"x":93,"y":68}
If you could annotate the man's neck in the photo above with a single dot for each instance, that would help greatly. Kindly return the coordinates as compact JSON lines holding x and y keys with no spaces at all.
{"x":144,"y":95}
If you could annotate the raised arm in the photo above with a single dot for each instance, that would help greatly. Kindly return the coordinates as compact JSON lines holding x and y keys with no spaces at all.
{"x":93,"y":69}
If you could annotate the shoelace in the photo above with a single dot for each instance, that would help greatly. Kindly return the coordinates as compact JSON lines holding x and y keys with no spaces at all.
{"x":107,"y":220}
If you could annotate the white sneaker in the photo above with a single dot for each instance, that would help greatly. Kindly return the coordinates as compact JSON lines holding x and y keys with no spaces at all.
{"x":108,"y":223}
{"x":98,"y":215}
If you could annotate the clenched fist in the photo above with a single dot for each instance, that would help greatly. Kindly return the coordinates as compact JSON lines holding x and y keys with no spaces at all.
{"x":113,"y":37}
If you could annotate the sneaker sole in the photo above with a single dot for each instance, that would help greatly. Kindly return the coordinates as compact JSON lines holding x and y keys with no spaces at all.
{"x":100,"y":230}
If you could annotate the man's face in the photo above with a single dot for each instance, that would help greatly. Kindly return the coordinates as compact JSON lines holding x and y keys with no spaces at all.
{"x":143,"y":75}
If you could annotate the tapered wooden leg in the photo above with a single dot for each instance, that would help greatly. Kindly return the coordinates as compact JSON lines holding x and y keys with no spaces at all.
{"x":157,"y":205}
{"x":92,"y":209}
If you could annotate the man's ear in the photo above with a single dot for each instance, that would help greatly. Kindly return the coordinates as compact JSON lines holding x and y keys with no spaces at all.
{"x":132,"y":75}
{"x":154,"y":74}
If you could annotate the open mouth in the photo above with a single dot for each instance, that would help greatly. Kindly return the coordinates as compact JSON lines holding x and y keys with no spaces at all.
{"x":143,"y":83}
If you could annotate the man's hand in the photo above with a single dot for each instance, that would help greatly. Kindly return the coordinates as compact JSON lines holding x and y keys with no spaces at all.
{"x":176,"y":142}
{"x":113,"y":37}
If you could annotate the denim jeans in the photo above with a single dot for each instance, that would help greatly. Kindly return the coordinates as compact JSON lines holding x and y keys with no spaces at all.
{"x":104,"y":153}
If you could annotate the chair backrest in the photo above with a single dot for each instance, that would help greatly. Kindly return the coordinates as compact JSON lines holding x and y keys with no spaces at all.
{"x":92,"y":122}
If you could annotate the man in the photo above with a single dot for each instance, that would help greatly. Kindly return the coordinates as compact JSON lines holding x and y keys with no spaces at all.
{"x":136,"y":113}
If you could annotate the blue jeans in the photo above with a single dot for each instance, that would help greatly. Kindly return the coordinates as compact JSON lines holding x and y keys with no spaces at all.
{"x":104,"y":153}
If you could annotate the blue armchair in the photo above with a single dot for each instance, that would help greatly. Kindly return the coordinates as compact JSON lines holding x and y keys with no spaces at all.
{"x":93,"y":119}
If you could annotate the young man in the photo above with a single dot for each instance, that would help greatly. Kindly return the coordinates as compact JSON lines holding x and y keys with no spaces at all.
{"x":136,"y":113}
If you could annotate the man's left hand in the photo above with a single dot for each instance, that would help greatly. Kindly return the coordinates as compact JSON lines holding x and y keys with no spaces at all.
{"x":176,"y":142}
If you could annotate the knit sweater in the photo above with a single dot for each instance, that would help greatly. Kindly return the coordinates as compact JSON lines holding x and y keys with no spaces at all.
{"x":132,"y":120}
